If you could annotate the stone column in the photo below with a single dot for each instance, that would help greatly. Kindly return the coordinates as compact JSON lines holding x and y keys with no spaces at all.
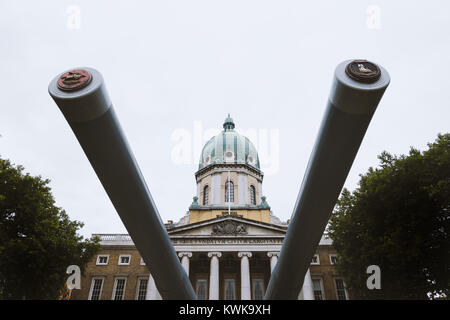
{"x":243,"y":189}
{"x":216,"y":189}
{"x":245,"y":275}
{"x":152,"y":291}
{"x":214,"y":275}
{"x":273,"y":259}
{"x":307,"y":289}
{"x":185,"y":260}
{"x":259,"y":193}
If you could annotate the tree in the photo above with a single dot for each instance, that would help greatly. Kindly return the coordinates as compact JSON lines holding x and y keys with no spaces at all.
{"x":399,"y":219}
{"x":38,"y":241}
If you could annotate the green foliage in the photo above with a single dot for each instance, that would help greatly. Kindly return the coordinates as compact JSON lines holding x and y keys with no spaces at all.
{"x":399,"y":219}
{"x":38,"y":241}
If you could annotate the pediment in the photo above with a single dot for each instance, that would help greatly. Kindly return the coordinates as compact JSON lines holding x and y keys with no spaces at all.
{"x":228,"y":227}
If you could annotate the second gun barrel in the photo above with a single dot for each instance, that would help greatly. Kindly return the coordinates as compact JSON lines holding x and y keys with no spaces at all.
{"x":356,"y":91}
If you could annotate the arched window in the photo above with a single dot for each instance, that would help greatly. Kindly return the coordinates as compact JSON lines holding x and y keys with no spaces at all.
{"x":229,"y":191}
{"x":205,"y":195}
{"x":252,"y":195}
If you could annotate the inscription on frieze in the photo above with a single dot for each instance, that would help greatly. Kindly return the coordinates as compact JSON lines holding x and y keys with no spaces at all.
{"x":227,"y":241}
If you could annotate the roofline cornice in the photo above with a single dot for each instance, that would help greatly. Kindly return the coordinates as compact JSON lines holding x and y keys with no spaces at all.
{"x":223,"y":167}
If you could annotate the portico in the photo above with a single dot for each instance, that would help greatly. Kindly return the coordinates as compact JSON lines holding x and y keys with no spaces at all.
{"x":228,"y":258}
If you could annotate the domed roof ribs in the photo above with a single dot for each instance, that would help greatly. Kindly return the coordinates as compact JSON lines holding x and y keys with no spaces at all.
{"x":219,"y":141}
{"x":235,"y":149}
{"x":247,"y":147}
{"x":215,"y":150}
{"x":224,"y":142}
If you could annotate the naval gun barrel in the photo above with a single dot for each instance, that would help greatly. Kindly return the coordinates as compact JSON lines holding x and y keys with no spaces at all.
{"x":357,"y":89}
{"x":82,"y":97}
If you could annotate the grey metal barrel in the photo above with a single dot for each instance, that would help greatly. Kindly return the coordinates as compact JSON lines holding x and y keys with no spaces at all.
{"x":357,"y":88}
{"x":82,"y":97}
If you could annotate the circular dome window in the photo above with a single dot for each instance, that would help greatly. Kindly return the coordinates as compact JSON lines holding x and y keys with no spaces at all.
{"x":207,"y":160}
{"x":229,"y":156}
{"x":251,"y":160}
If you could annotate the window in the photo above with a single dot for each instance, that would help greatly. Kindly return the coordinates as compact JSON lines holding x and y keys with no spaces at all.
{"x":119,"y":289}
{"x":333,"y":259}
{"x":124,"y":259}
{"x":229,"y":191}
{"x":205,"y":195}
{"x":142,"y":289}
{"x":315,"y":259}
{"x":229,"y":289}
{"x":102,"y":260}
{"x":201,"y":289}
{"x":341,"y":291}
{"x":258,"y":289}
{"x":229,"y":156}
{"x":317,"y":288}
{"x":252,"y":195}
{"x":96,"y":289}
{"x":142,"y":263}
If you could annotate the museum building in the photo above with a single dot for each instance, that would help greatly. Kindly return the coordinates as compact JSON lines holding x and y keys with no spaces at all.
{"x":228,"y":241}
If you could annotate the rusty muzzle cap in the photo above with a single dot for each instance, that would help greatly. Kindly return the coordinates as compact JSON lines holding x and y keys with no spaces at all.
{"x":74,"y":80}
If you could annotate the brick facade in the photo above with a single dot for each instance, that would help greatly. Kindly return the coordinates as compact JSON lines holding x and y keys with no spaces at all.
{"x":325,"y":271}
{"x":109,"y":272}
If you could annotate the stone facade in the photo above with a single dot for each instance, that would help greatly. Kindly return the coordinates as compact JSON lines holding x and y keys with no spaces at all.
{"x":112,"y":270}
{"x":229,"y":255}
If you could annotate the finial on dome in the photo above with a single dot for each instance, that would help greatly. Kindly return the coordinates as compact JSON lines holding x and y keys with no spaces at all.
{"x":228,"y":124}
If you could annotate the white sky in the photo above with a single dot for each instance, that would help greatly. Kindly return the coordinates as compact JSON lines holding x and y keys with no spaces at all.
{"x":168,"y":64}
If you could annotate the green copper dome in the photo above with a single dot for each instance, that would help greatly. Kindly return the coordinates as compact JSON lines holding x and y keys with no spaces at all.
{"x":229,"y":147}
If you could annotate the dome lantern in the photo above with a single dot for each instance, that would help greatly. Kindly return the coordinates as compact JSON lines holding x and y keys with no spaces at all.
{"x":228,"y":124}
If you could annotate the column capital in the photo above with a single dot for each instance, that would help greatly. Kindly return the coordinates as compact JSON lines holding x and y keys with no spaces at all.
{"x":271,"y":254}
{"x":185,"y":254}
{"x":214,"y":253}
{"x":244,"y":253}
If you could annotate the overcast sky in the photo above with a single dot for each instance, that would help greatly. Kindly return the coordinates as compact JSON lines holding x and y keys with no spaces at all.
{"x":174,"y":69}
